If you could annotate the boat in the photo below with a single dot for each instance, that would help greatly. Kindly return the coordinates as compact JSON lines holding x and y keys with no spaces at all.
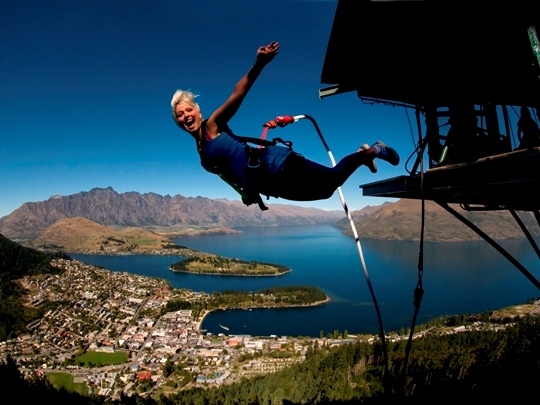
{"x":223,"y":327}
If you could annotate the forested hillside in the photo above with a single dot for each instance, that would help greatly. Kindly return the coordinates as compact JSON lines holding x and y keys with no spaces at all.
{"x":491,"y":366}
{"x":17,"y":261}
{"x":483,"y":365}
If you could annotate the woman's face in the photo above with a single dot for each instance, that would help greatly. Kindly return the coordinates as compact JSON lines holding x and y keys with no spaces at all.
{"x":188,"y":117}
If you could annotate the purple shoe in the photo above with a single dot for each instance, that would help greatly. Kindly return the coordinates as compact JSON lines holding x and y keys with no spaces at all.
{"x":386,"y":153}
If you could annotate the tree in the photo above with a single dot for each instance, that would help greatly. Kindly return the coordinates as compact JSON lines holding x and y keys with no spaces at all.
{"x":167,"y":368}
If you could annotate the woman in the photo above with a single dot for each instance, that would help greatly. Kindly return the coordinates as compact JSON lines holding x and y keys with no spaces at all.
{"x":274,"y":170}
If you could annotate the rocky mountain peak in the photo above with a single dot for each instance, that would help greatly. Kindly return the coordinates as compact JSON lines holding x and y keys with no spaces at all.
{"x":107,"y":207}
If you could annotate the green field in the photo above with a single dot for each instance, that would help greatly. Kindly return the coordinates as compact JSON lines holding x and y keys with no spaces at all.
{"x":64,"y":380}
{"x":147,"y":241}
{"x":97,"y":359}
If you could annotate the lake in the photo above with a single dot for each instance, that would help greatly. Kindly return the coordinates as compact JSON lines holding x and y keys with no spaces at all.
{"x":458,"y":278}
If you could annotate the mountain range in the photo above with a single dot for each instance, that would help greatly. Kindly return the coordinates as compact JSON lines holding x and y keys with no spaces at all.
{"x":45,"y":222}
{"x":131,"y":209}
{"x":402,"y":221}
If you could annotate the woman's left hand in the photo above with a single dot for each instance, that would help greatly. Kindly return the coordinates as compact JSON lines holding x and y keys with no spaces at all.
{"x":265,"y":54}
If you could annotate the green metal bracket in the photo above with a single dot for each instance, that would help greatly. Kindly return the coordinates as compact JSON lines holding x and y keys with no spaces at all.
{"x":535,"y":44}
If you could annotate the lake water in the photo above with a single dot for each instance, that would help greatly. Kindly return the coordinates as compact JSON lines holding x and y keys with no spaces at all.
{"x":458,"y":278}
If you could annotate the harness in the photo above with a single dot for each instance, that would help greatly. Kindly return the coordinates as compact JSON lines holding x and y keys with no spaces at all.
{"x":254,"y":169}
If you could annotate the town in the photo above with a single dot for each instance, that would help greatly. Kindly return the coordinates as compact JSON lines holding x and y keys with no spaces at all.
{"x":109,"y":333}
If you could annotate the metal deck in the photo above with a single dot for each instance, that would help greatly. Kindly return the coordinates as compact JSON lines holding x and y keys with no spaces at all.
{"x":506,"y":181}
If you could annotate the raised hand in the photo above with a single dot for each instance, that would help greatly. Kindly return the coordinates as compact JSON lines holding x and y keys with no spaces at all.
{"x":265,"y":54}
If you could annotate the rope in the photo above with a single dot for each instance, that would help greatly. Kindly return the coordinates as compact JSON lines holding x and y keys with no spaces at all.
{"x":287,"y":120}
{"x":418,"y":291}
{"x":418,"y":295}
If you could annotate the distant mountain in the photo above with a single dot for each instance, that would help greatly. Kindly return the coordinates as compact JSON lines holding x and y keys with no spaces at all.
{"x":358,"y":216}
{"x":402,"y":221}
{"x":109,"y":208}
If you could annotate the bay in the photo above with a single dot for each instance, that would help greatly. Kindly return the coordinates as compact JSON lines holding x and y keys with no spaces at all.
{"x":465,"y":277}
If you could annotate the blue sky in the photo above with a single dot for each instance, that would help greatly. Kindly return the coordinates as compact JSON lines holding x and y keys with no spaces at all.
{"x":86,"y":89}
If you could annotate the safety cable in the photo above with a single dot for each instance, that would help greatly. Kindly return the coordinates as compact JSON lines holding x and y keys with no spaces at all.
{"x":410,"y":128}
{"x":284,"y":120}
{"x":511,"y":135}
{"x":418,"y":291}
{"x":418,"y":295}
{"x":414,"y":152}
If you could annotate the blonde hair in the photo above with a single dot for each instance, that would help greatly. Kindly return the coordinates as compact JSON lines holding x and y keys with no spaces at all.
{"x":183,"y":96}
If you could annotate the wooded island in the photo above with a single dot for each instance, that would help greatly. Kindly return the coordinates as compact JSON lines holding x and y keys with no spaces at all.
{"x":223,"y":266}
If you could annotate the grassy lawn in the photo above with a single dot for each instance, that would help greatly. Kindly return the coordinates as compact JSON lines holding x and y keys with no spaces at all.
{"x":64,"y":380}
{"x":101,"y":359}
{"x":516,"y":310}
{"x":166,"y":390}
{"x":147,"y":242}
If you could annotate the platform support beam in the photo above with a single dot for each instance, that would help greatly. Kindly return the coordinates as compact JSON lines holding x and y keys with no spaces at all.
{"x":497,"y":247}
{"x":525,"y":232}
{"x":537,"y":216}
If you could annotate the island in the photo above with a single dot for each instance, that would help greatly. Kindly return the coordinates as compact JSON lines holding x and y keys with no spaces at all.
{"x":223,"y":266}
{"x":281,"y":296}
{"x":274,"y":297}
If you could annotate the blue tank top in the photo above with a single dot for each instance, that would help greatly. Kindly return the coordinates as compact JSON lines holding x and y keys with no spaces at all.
{"x":228,"y":154}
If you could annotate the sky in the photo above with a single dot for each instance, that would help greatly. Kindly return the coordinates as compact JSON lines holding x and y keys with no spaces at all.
{"x":86,"y":89}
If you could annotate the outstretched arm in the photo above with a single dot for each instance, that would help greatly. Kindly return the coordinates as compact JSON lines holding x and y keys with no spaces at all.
{"x":223,"y":114}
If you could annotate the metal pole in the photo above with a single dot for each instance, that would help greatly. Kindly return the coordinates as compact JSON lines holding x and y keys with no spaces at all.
{"x":526,"y":232}
{"x":498,"y":247}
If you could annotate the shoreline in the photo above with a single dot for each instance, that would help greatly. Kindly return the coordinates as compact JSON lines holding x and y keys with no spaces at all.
{"x":199,"y":322}
{"x":182,"y":252}
{"x":231,"y":275}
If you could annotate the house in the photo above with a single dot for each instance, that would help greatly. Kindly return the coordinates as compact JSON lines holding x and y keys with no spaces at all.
{"x":144,"y":376}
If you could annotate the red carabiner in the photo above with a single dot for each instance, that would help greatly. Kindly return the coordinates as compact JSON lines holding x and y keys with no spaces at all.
{"x":284,"y":120}
{"x":280,"y":121}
